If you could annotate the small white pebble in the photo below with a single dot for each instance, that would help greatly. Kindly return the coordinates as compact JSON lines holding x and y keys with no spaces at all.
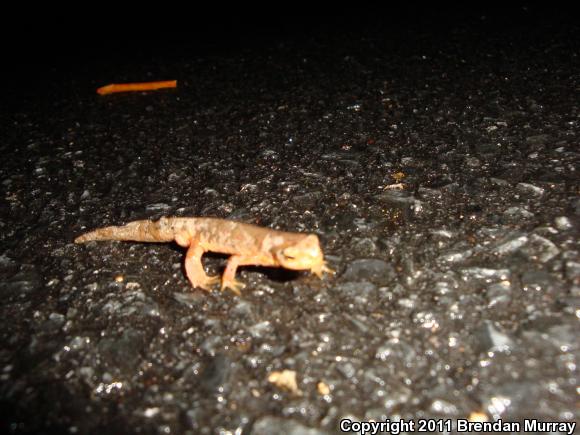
{"x":563,"y":223}
{"x":151,"y":412}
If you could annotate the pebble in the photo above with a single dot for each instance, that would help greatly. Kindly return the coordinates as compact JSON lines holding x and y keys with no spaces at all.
{"x":536,"y":280}
{"x":530,"y":189}
{"x":538,"y":139}
{"x":211,"y":345}
{"x":364,"y":246}
{"x":270,"y":424}
{"x":426,"y":319}
{"x":56,"y":318}
{"x":261,"y":329}
{"x":395,"y":350}
{"x":490,"y":338}
{"x":473,"y":162}
{"x":499,"y":182}
{"x":498,"y":293}
{"x":215,"y":373}
{"x":518,"y":212}
{"x":456,"y":256}
{"x":359,"y":292}
{"x":124,"y":352}
{"x":347,"y":369}
{"x":511,"y":245}
{"x":371,"y":269}
{"x":189,"y":300}
{"x":440,"y":406}
{"x":563,"y":223}
{"x":564,"y":336}
{"x":23,"y":282}
{"x":243,"y":309}
{"x":497,"y":405}
{"x":401,"y":199}
{"x":485,"y":273}
{"x":540,"y":249}
{"x":158,"y":207}
{"x":573,"y":270}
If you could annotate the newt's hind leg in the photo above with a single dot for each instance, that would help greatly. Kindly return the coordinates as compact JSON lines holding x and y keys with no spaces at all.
{"x":194,"y":268}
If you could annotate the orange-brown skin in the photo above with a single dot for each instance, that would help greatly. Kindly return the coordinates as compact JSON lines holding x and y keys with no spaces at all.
{"x":245,"y":243}
{"x":132,"y":87}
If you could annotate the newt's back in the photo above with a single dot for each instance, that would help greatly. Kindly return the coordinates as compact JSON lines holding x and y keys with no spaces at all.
{"x":231,"y":237}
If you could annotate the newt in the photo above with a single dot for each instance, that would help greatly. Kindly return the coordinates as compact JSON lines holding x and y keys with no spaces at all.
{"x":246,"y":244}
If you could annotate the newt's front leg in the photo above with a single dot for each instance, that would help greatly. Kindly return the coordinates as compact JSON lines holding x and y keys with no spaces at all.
{"x":229,"y":276}
{"x":193,"y":266}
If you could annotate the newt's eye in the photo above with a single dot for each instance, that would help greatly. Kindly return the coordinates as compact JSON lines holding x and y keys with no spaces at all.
{"x":288,"y":255}
{"x":289,"y":252}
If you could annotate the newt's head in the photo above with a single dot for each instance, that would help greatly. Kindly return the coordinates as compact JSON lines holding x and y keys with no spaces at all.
{"x":303,"y":255}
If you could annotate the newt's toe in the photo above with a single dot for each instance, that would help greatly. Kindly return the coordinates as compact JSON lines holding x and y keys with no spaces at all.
{"x":207,"y":283}
{"x":321,"y":269}
{"x":234,"y":285}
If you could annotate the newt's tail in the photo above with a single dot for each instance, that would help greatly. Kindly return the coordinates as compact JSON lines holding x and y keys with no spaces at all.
{"x":137,"y":231}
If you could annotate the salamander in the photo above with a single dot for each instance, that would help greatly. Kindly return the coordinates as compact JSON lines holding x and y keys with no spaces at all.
{"x":246,"y":244}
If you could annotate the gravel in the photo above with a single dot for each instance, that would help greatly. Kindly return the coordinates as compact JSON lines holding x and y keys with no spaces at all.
{"x":438,"y":164}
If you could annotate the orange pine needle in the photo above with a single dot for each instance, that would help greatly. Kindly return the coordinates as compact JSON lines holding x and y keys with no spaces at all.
{"x":132,"y":87}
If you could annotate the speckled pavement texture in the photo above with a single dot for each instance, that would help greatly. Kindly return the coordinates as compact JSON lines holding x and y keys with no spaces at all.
{"x":437,"y":164}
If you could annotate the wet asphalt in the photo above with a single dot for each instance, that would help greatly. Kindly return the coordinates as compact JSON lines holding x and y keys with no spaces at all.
{"x":436,"y":159}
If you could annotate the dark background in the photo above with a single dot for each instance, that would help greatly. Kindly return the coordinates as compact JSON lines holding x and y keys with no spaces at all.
{"x":51,"y":35}
{"x":47,"y":44}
